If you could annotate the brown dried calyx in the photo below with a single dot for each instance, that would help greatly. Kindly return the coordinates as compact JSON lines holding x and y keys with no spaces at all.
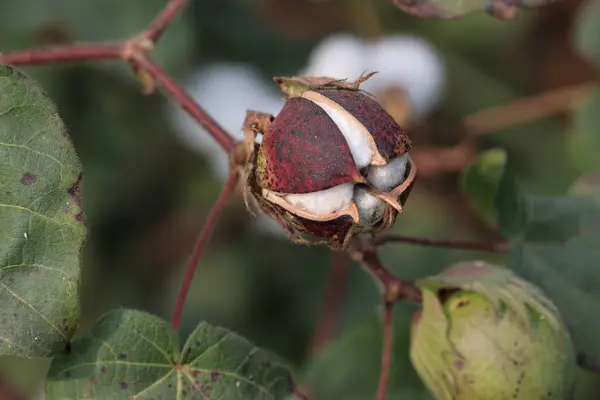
{"x":333,"y":163}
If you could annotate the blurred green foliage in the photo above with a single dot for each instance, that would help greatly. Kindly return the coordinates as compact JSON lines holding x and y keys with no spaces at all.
{"x":146,"y":196}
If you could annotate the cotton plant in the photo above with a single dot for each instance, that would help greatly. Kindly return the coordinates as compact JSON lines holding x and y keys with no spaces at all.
{"x":228,"y":90}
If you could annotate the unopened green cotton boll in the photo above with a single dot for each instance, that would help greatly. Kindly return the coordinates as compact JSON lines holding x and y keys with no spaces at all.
{"x":486,"y":334}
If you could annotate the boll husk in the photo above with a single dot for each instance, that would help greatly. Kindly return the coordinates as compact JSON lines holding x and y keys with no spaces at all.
{"x":331,"y":164}
{"x":486,"y":334}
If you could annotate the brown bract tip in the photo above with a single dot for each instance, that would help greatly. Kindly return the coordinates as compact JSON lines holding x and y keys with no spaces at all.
{"x":294,"y":86}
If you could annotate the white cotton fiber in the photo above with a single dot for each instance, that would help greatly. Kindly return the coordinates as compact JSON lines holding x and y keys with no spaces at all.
{"x":353,"y":131}
{"x":323,"y":202}
{"x":226,"y":91}
{"x":370,"y":208}
{"x":411,"y":63}
{"x":387,"y":177}
{"x":338,"y":56}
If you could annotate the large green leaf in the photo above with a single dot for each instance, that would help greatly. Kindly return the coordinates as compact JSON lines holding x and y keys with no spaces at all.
{"x":41,"y":222}
{"x":555,"y":245}
{"x":448,"y":9}
{"x":133,"y":355}
{"x":349,"y":368}
{"x":558,"y":250}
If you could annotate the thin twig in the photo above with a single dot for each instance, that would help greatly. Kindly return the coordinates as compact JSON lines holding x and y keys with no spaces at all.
{"x":335,"y":289}
{"x":200,"y":246}
{"x":162,"y":20}
{"x":435,"y":160}
{"x":179,"y":95}
{"x":135,"y":52}
{"x":78,"y":52}
{"x":493,"y":247}
{"x":394,"y":289}
{"x":387,"y":350}
{"x":527,"y":109}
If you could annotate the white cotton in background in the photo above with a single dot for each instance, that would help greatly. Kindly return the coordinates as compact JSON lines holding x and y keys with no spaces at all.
{"x":323,"y":202}
{"x":338,"y":56}
{"x":226,"y":91}
{"x":370,"y":208}
{"x":354,"y":133}
{"x":387,"y":177}
{"x":411,"y":63}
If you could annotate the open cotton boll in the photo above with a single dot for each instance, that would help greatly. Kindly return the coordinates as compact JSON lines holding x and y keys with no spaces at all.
{"x":226,"y":91}
{"x":411,"y":63}
{"x":359,"y":144}
{"x":339,"y":55}
{"x":370,"y":208}
{"x":323,"y":202}
{"x":387,"y":177}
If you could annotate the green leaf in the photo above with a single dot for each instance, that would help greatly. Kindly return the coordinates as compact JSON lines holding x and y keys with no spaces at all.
{"x":587,"y":31}
{"x":584,"y":142}
{"x":490,"y":187}
{"x":558,"y":250}
{"x":349,"y":368}
{"x":134,"y":355}
{"x":41,"y":222}
{"x":448,"y":9}
{"x":587,"y":185}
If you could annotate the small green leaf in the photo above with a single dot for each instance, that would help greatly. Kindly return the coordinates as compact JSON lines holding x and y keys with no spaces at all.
{"x":584,"y":142}
{"x":587,"y":185}
{"x":587,"y":31}
{"x":558,"y":251}
{"x":492,"y":191}
{"x":41,"y":227}
{"x":134,"y":355}
{"x":349,"y":368}
{"x":449,"y":9}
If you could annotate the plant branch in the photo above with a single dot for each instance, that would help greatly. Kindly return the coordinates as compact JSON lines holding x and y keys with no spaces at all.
{"x":172,"y":89}
{"x":335,"y":289}
{"x":527,"y":109}
{"x":201,"y":245}
{"x":394,"y":289}
{"x":493,"y":247}
{"x":387,"y":350}
{"x":162,"y":20}
{"x":78,"y":52}
{"x":134,"y":51}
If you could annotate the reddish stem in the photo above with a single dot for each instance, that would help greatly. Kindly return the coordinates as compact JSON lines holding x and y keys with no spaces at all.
{"x":81,"y":52}
{"x":336,"y":286}
{"x":172,"y":89}
{"x":493,"y":247}
{"x":134,"y":51}
{"x":200,"y":246}
{"x":162,"y":20}
{"x":386,"y":350}
{"x":394,"y":289}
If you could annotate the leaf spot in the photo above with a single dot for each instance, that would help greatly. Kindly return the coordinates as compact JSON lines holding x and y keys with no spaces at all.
{"x":28,"y":178}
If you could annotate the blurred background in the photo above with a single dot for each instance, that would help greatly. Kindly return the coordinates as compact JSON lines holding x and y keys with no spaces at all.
{"x":151,"y":175}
